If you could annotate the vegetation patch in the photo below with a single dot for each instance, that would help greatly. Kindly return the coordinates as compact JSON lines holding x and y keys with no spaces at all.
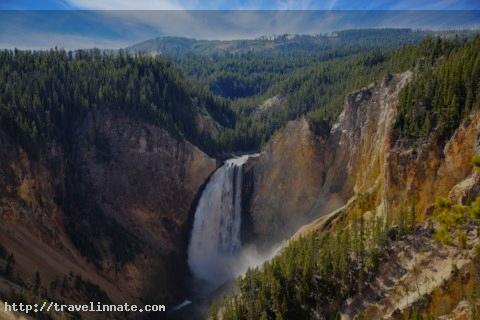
{"x":443,"y":92}
{"x":312,"y":275}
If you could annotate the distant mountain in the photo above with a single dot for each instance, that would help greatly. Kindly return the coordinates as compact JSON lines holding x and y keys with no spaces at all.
{"x":249,"y":68}
{"x":287,"y":44}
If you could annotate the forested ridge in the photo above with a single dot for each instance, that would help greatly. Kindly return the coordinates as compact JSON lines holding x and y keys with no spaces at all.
{"x":245,"y":68}
{"x":318,"y":91}
{"x":43,"y":94}
{"x":442,"y":94}
{"x":329,"y":44}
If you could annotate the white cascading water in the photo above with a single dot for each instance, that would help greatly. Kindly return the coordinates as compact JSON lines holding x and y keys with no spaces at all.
{"x":215,"y":239}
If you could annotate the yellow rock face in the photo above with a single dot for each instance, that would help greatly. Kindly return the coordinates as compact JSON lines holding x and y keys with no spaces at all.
{"x":302,"y":175}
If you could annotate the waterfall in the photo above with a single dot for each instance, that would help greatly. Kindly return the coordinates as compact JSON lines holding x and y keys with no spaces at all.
{"x":215,"y":240}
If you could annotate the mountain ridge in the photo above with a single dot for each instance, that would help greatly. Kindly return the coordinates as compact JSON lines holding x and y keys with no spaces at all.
{"x":282,"y":44}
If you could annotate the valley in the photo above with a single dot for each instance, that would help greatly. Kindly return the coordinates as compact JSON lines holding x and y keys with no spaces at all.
{"x":292,"y":177}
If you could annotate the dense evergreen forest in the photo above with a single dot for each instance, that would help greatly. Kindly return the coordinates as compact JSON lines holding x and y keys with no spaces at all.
{"x":250,"y":67}
{"x":318,"y":91}
{"x":43,"y":93}
{"x":244,"y":68}
{"x":442,"y":94}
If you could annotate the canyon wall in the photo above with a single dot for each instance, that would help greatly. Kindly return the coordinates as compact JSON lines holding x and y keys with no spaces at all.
{"x":112,"y":206}
{"x":308,"y":170}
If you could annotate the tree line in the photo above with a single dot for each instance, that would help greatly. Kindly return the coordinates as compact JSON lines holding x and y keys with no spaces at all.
{"x":443,"y":92}
{"x":43,"y":94}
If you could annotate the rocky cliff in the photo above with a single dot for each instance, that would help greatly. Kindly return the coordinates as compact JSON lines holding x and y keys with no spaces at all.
{"x":315,"y":171}
{"x":311,"y":169}
{"x":111,"y":208}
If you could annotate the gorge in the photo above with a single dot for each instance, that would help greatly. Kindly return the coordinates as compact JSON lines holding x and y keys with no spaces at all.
{"x":118,"y":191}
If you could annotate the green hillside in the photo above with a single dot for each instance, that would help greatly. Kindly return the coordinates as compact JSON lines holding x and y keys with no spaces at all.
{"x":43,"y":93}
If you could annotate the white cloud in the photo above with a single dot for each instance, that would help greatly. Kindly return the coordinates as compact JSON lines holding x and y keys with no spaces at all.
{"x":121,"y":28}
{"x":201,"y":5}
{"x":127,"y":4}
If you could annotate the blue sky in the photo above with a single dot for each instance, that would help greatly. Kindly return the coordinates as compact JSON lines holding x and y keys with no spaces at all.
{"x":240,"y":4}
{"x":74,"y":24}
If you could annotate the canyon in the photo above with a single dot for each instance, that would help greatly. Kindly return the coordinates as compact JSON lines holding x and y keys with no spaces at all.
{"x":162,"y":193}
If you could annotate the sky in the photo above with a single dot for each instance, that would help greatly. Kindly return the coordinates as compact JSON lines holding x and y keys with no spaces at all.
{"x":239,"y":5}
{"x":74,"y":24}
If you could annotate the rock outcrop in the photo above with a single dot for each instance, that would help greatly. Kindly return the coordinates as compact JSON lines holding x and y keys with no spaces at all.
{"x":287,"y":181}
{"x":309,"y":170}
